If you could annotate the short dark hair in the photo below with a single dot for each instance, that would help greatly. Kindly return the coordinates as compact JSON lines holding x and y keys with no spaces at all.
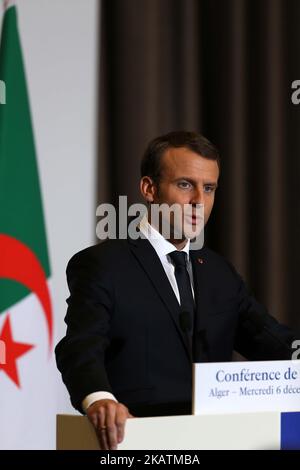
{"x":151,"y":161}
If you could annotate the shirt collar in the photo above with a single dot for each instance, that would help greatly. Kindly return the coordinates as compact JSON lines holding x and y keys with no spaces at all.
{"x":162,"y":246}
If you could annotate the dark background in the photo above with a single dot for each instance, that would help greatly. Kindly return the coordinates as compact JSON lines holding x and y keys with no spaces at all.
{"x":223,"y":68}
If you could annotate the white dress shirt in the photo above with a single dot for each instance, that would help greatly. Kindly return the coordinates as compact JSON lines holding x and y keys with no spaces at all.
{"x":162,"y":247}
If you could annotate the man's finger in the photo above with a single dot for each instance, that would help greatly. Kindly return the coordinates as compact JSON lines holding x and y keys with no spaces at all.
{"x":102,"y":428}
{"x":103,"y":439}
{"x":121,"y":417}
{"x":111,"y":431}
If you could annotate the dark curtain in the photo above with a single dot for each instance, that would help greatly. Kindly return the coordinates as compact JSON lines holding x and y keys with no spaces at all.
{"x":223,"y":68}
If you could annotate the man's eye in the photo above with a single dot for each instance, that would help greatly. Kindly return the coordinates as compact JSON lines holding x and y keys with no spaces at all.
{"x":184,"y":184}
{"x":208,"y":188}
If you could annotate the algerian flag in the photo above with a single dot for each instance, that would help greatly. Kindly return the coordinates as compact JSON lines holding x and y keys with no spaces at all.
{"x":27,"y":376}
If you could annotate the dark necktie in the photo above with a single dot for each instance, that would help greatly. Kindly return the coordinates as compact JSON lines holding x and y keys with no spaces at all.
{"x":184,"y":286}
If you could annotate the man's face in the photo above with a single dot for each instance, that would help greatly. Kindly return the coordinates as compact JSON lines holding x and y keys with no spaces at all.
{"x":186,"y":178}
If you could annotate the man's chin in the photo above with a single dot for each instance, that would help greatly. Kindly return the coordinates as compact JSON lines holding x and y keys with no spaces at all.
{"x":193,"y":234}
{"x":188,"y":234}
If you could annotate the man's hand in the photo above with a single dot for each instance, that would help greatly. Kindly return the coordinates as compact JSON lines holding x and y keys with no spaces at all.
{"x":108,"y":418}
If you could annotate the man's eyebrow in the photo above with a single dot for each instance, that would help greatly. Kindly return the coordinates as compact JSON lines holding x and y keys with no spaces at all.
{"x":191,"y":180}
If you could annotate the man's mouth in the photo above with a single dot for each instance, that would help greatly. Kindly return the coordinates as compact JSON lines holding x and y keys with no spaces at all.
{"x":193,"y":219}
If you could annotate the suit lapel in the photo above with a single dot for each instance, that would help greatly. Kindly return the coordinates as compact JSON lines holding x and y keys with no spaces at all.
{"x":150,"y":263}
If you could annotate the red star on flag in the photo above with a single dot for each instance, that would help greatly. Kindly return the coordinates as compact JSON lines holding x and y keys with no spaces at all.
{"x":13,"y":351}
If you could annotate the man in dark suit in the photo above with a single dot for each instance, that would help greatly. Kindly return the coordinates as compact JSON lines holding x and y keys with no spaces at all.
{"x":142,"y":310}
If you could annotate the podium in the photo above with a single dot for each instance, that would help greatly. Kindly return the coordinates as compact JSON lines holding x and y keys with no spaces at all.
{"x":247,"y":431}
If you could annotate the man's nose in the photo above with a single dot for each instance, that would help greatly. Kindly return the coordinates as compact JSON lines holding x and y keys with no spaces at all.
{"x":198,"y":196}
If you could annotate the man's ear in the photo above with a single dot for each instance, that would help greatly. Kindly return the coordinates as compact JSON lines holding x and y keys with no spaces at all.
{"x":147,"y":188}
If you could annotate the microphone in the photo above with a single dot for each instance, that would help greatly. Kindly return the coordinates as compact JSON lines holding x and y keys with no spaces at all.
{"x":185,"y":323}
{"x":198,"y":345}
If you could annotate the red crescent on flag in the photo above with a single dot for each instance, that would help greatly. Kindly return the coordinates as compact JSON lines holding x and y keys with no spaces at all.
{"x":19,"y":263}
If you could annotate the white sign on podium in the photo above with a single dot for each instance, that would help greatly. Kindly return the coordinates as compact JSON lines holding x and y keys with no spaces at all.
{"x":243,"y":387}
